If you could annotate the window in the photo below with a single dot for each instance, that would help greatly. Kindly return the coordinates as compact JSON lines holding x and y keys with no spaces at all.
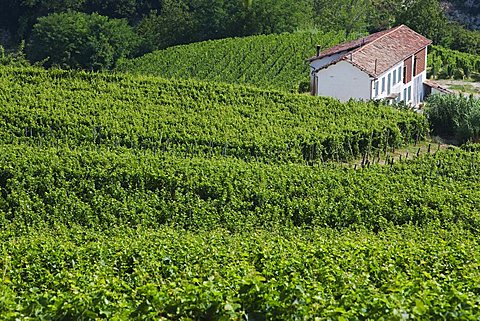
{"x":376,"y":88}
{"x":389,"y":84}
{"x":405,"y":94}
{"x":410,"y":93}
{"x":383,"y":84}
{"x":400,"y":74}
{"x":394,"y":76}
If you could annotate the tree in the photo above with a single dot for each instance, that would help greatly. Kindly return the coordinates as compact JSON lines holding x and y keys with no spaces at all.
{"x":78,"y":40}
{"x":133,"y":10}
{"x":348,"y":15}
{"x":173,"y":26}
{"x":272,"y":16}
{"x":18,"y":16}
{"x":382,"y":15}
{"x":454,"y":116}
{"x":184,"y":21}
{"x":426,"y":17}
{"x":464,"y":40}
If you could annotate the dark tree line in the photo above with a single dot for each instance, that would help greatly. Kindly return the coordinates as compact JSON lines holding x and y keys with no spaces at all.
{"x":93,"y":34}
{"x":180,"y":20}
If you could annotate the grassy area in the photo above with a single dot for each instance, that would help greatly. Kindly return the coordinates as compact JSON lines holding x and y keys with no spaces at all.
{"x":466,"y":88}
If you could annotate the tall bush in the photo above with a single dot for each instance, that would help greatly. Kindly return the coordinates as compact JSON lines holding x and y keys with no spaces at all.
{"x":454,"y":117}
{"x":79,"y":40}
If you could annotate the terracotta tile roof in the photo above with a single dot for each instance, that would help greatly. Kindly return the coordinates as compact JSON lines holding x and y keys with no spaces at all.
{"x":349,"y":45}
{"x":380,"y":51}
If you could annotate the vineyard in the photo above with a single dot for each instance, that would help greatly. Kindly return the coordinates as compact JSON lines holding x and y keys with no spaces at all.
{"x":193,"y":118}
{"x":106,"y":188}
{"x":271,"y":61}
{"x":142,"y":274}
{"x":446,"y":63}
{"x":126,"y":197}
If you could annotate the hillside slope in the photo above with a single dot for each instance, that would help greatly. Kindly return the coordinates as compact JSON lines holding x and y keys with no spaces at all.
{"x":267,"y":61}
{"x":191,"y":116}
{"x":127,"y":197}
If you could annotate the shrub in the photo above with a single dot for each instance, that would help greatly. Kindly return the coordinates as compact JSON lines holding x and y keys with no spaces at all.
{"x":78,"y":40}
{"x":454,"y":116}
{"x":16,"y":58}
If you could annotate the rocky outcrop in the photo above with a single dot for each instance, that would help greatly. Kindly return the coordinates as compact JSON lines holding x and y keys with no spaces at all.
{"x":465,"y":12}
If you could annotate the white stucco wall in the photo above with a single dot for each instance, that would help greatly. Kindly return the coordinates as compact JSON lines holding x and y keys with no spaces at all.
{"x":343,"y":81}
{"x":417,"y":92}
{"x":396,"y":88}
{"x":319,"y":63}
{"x":418,"y":88}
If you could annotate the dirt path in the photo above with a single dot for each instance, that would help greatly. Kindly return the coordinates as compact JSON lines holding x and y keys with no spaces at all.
{"x":461,"y":86}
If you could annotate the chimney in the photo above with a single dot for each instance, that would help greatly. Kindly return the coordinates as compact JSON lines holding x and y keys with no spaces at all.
{"x":318,"y":50}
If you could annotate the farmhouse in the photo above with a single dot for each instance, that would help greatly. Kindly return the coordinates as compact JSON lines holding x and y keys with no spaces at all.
{"x":389,"y":65}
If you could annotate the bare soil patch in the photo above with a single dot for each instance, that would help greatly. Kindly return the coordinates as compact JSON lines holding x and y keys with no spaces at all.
{"x":461,"y":86}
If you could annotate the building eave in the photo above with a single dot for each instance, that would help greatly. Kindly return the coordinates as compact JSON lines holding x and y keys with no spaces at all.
{"x":345,"y":59}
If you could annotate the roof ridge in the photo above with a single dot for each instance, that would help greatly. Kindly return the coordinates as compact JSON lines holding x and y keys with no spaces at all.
{"x":381,"y":36}
{"x":415,"y":32}
{"x":363,"y":40}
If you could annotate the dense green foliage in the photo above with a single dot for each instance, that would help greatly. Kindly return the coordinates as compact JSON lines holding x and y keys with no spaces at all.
{"x":186,"y":21}
{"x":19,"y":16}
{"x":427,"y":18}
{"x":349,"y":15}
{"x":103,"y":188}
{"x":445,"y":63}
{"x":78,"y":40}
{"x":15,"y":58}
{"x":463,"y":40}
{"x":401,"y":273}
{"x":137,"y":198}
{"x":273,"y":61}
{"x":79,"y":108}
{"x":163,"y":23}
{"x":454,"y":116}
